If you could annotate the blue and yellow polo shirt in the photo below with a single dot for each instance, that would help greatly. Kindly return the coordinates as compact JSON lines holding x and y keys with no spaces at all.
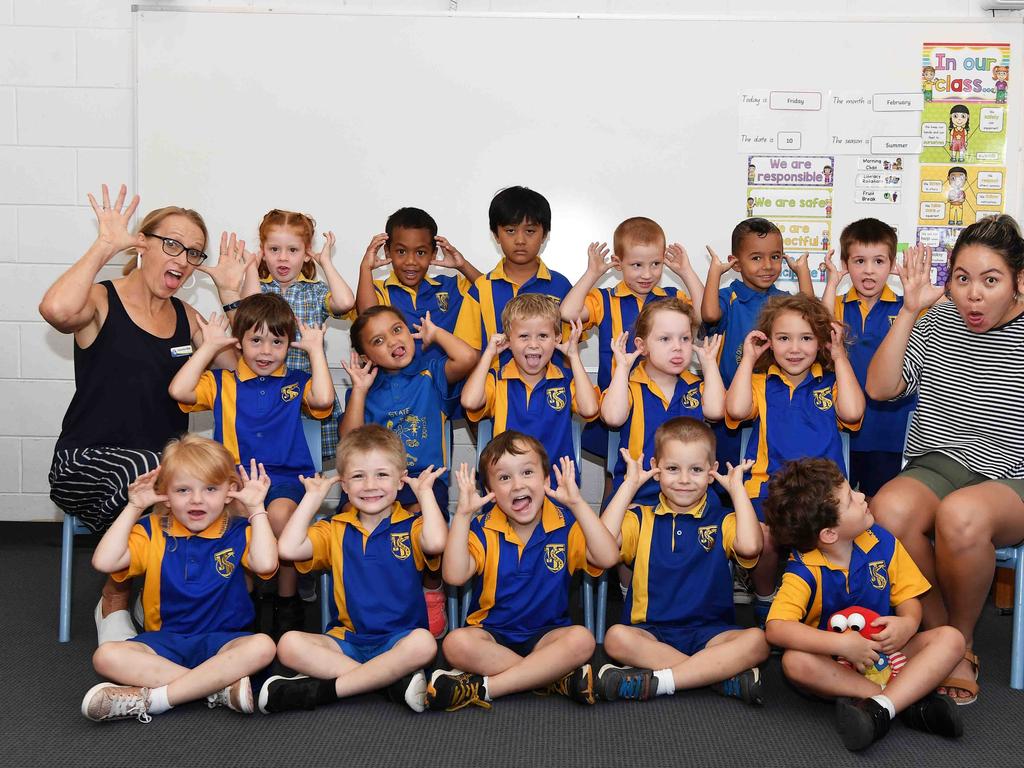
{"x":740,"y":305}
{"x":378,"y":574}
{"x":480,"y":316}
{"x":522,"y":588}
{"x":791,"y":422}
{"x":415,"y":403}
{"x":680,"y":563}
{"x":545,"y":411}
{"x":260,"y":417}
{"x":440,"y":295}
{"x":881,"y":576}
{"x":885,"y":422}
{"x":195,"y":582}
{"x":649,"y":409}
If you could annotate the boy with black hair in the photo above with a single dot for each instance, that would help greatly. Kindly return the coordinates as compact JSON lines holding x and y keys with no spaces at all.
{"x":840,"y":559}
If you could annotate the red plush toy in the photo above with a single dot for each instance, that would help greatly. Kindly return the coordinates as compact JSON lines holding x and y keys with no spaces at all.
{"x":857,"y":619}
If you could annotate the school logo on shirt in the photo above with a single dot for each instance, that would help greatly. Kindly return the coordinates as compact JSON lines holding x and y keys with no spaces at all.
{"x":706,"y":536}
{"x":400,"y":546}
{"x":409,"y":427}
{"x":554,"y":557}
{"x":823,"y":398}
{"x":878,"y":578}
{"x":892,"y":319}
{"x":692,"y":398}
{"x":556,"y":398}
{"x":222,"y":559}
{"x":289,"y":392}
{"x":442,"y":300}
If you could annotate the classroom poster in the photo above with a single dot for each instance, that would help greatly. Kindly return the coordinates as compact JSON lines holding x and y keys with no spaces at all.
{"x":795,"y":193}
{"x":776,"y":121}
{"x":879,"y":180}
{"x":963,"y":136}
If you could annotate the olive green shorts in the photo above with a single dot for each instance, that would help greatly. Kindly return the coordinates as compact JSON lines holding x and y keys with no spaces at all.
{"x":943,"y":475}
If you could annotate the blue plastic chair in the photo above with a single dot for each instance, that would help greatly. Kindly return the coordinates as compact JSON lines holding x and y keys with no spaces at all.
{"x":1013,"y":557}
{"x":311,"y":429}
{"x":72,"y":527}
{"x":844,"y":438}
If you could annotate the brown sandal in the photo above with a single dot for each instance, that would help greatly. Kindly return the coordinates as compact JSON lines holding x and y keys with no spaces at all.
{"x":963,"y":683}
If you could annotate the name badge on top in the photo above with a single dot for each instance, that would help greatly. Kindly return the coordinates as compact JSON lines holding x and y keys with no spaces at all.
{"x":184,"y":351}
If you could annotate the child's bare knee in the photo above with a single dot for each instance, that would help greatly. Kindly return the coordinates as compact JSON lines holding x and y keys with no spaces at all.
{"x":756,"y":644}
{"x":798,"y":666}
{"x":422,"y":646}
{"x":263,"y":649}
{"x":105,"y":659}
{"x":616,"y":639}
{"x":580,"y":642}
{"x":290,"y":647}
{"x":457,"y":643}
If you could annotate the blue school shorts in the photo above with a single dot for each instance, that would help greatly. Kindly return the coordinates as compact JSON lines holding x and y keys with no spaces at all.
{"x":520,"y":647}
{"x":187,"y":650}
{"x":363,"y":649}
{"x":289,"y":488}
{"x":688,"y":640}
{"x":870,"y":470}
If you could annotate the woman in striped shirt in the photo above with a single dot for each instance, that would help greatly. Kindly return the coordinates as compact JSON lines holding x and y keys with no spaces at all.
{"x":964,"y":482}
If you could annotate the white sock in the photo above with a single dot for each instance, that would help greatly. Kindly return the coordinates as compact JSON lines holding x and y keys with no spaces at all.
{"x":886,"y":702}
{"x":625,"y":590}
{"x":158,"y":700}
{"x":433,"y":589}
{"x":487,"y":696}
{"x":666,"y":682}
{"x":764,"y":598}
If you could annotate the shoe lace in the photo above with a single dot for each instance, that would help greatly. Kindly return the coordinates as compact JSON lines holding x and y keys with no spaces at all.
{"x":465,"y":693}
{"x":562,"y":686}
{"x":218,"y":699}
{"x":125,"y":704}
{"x":631,"y":686}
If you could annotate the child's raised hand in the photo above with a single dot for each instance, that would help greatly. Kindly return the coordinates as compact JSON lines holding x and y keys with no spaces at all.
{"x":732,"y":480}
{"x":571,"y":346}
{"x":142,"y":493}
{"x":708,"y":351}
{"x":361,"y":372}
{"x":619,"y":353}
{"x":833,"y":274}
{"x":837,"y":345}
{"x":425,"y":330}
{"x":755,"y":344}
{"x":255,"y":485}
{"x":497,"y":344}
{"x":424,"y":482}
{"x":635,"y":472}
{"x":718,"y":265}
{"x":324,"y":255}
{"x":677,"y":259}
{"x":216,"y":332}
{"x":567,"y":493}
{"x":311,"y":337}
{"x":450,"y":256}
{"x":915,"y":275}
{"x":233,"y":261}
{"x":371,"y":259}
{"x":598,"y":261}
{"x":797,"y":264}
{"x":470,"y":502}
{"x":113,"y":221}
{"x":318,"y":486}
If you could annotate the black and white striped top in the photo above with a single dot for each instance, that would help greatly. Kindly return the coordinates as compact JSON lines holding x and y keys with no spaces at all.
{"x":971,"y":392}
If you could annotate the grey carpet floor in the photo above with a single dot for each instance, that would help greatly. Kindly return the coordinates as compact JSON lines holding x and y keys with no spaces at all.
{"x":44,"y":681}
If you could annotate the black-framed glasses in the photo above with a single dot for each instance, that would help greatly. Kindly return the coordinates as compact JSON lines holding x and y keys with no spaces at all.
{"x":173,"y":248}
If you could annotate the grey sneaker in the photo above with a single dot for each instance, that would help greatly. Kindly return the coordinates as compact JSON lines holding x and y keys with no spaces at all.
{"x":237,"y":697}
{"x":107,"y":701}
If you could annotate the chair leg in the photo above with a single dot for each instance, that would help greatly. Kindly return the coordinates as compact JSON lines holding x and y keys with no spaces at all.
{"x":588,"y":602}
{"x":601,"y":615}
{"x":326,"y":595}
{"x":66,"y":554}
{"x":1017,"y":649}
{"x":452,"y":594}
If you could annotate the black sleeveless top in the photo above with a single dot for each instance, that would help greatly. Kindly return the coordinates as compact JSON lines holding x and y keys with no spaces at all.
{"x":121,"y":382}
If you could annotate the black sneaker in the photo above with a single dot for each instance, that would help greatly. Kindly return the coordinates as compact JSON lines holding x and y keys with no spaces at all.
{"x":746,"y":686}
{"x":280,"y":693}
{"x":625,"y":683}
{"x":410,"y":690}
{"x":289,"y":615}
{"x":450,"y":689}
{"x":934,"y":714}
{"x":861,"y":723}
{"x":577,"y":685}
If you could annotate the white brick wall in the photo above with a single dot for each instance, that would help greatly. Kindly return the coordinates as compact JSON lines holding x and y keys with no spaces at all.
{"x":66,"y":127}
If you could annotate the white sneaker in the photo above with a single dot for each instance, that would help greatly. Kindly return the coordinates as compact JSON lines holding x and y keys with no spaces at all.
{"x":236,"y":697}
{"x":107,"y":701}
{"x":410,"y":690}
{"x":115,"y":627}
{"x":742,"y":589}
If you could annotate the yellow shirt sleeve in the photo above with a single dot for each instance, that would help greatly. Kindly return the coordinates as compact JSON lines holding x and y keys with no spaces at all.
{"x":245,"y":557}
{"x":791,"y":600}
{"x":422,"y":561}
{"x":467,"y":326}
{"x":316,"y":413}
{"x":477,"y":552}
{"x":487,"y":409}
{"x":729,"y":536}
{"x":577,"y":554}
{"x":138,"y":549}
{"x":757,"y":383}
{"x":595,"y":309}
{"x":206,"y":393}
{"x":630,"y":537}
{"x":320,"y":537}
{"x":383,"y":297}
{"x":905,"y":578}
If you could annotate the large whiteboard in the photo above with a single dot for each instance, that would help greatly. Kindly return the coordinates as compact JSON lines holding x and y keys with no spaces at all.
{"x":348,"y":117}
